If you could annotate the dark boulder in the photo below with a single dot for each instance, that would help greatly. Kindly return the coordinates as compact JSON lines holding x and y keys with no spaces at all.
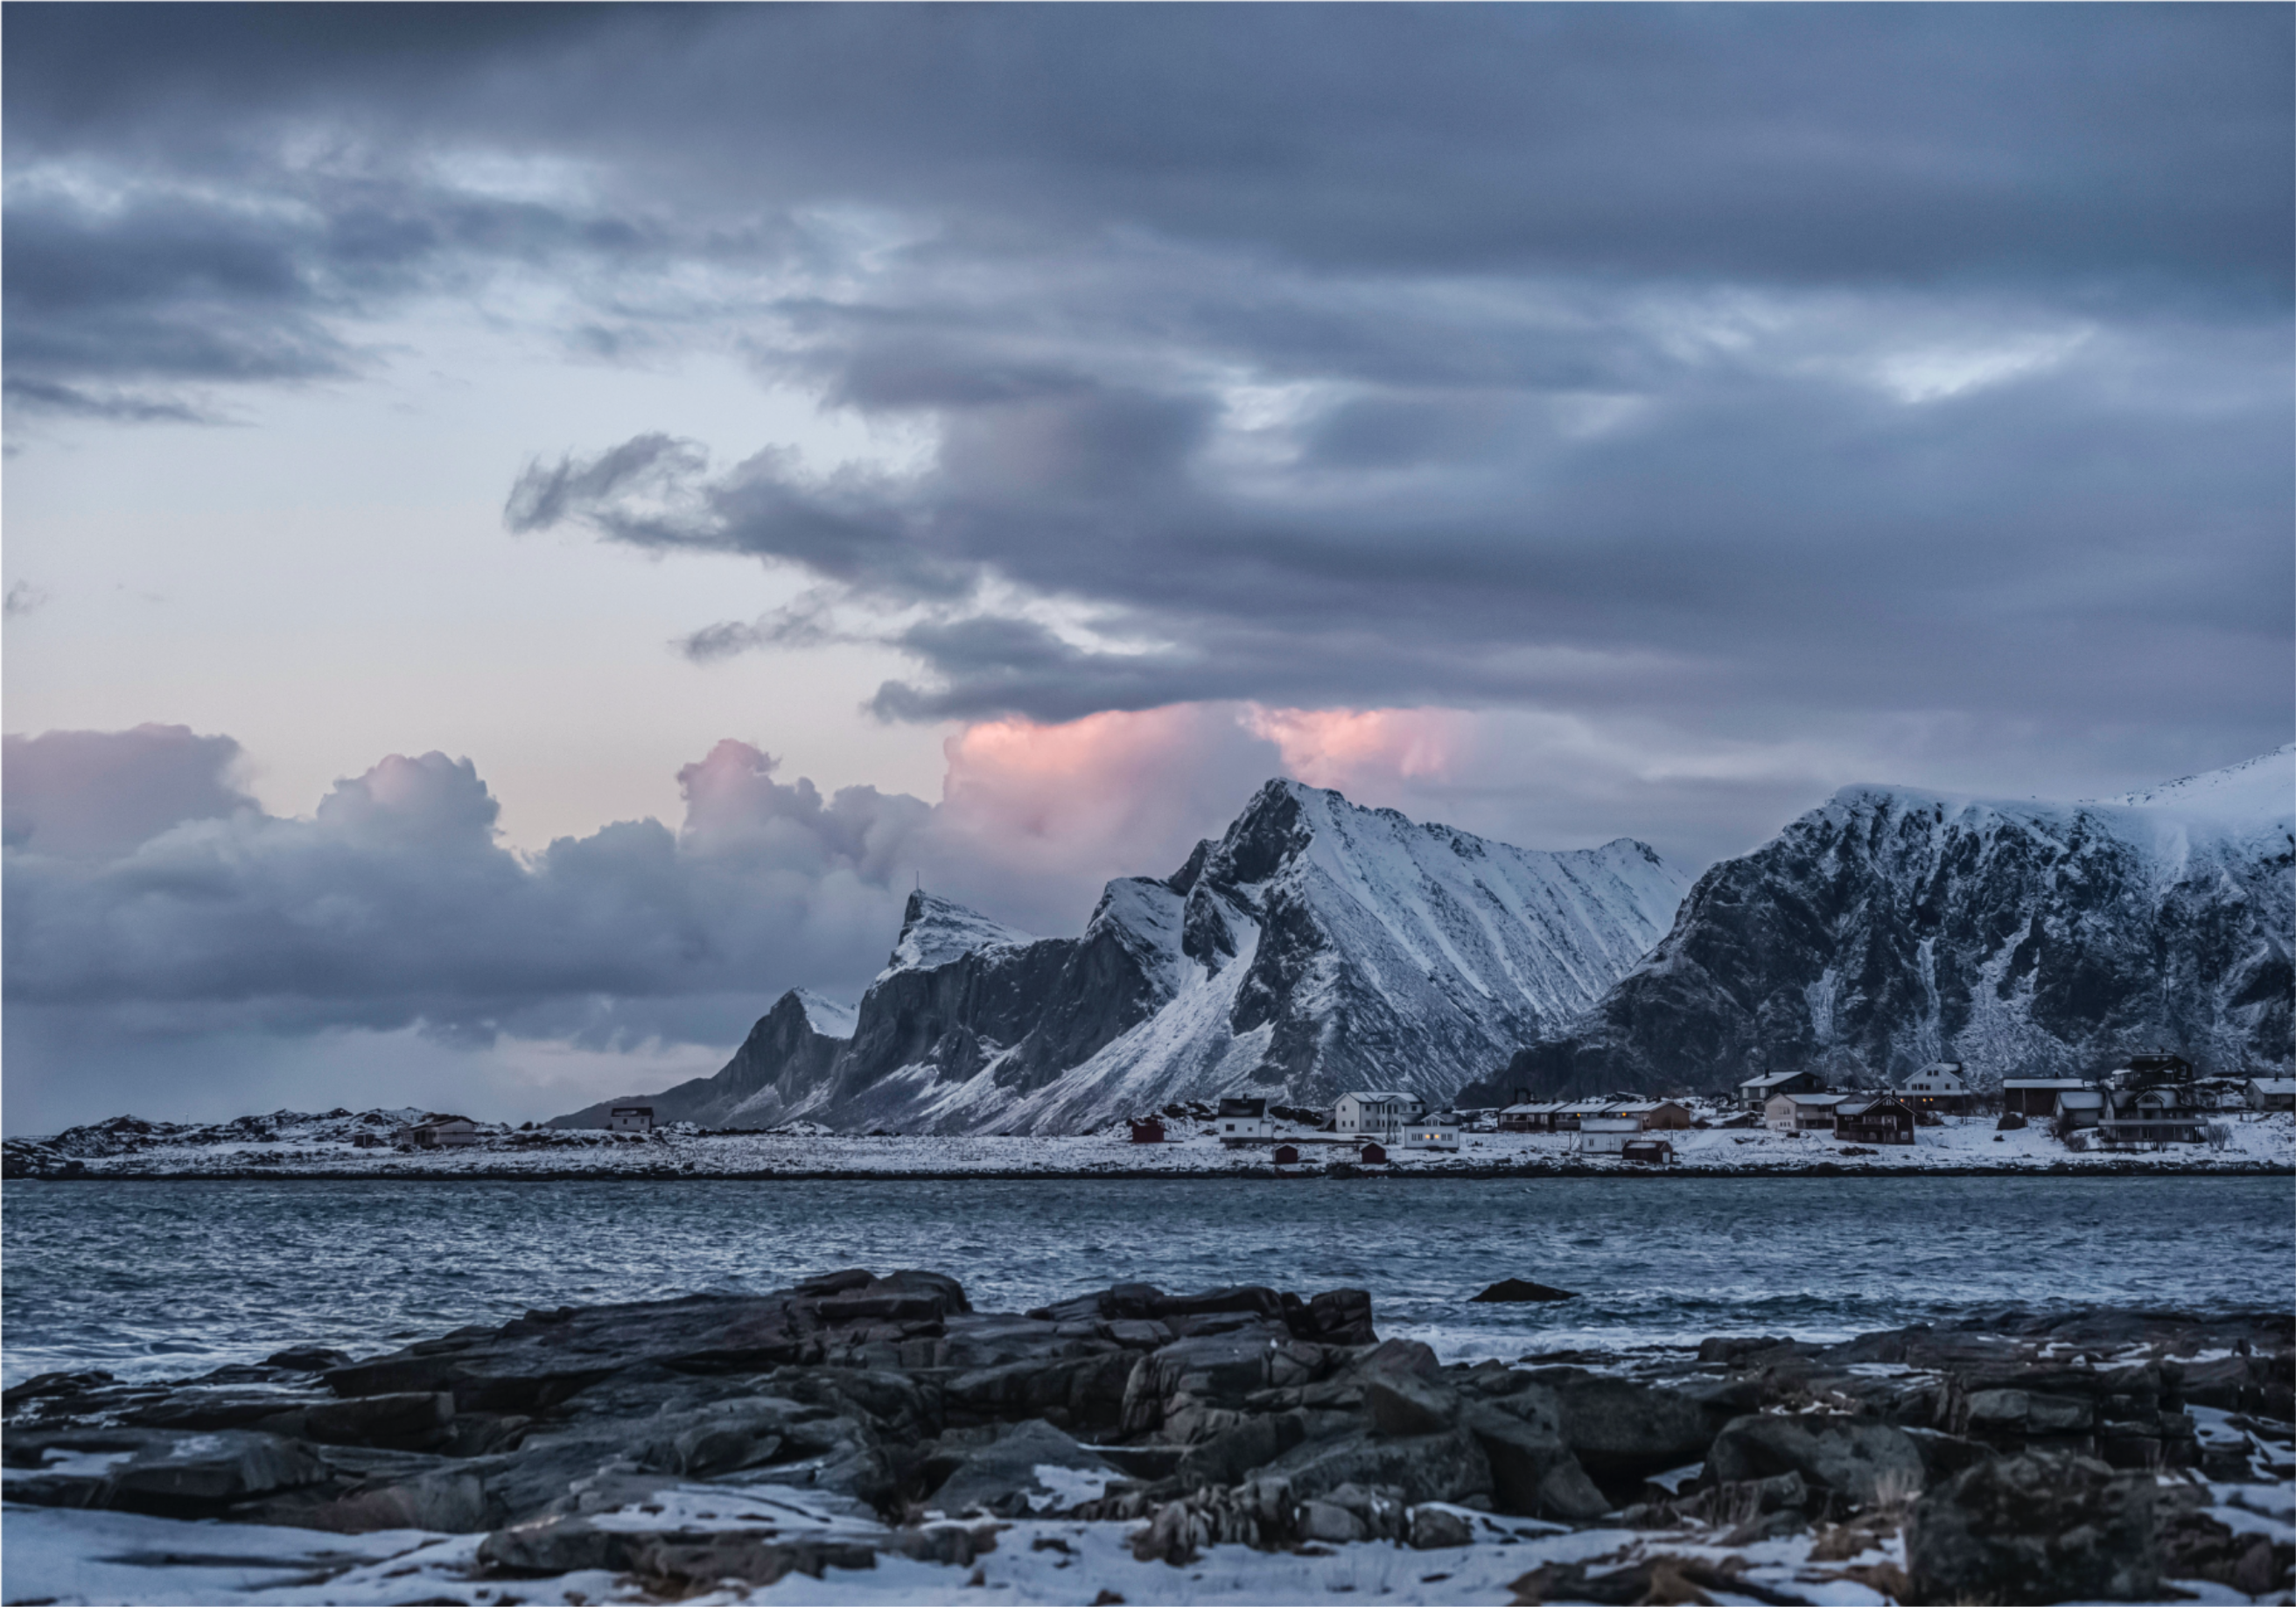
{"x":1518,"y":1290}
{"x":1860,"y":1461}
{"x":2043,"y":1527}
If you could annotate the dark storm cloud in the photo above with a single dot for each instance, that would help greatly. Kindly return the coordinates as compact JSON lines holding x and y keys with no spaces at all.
{"x":1727,"y":364}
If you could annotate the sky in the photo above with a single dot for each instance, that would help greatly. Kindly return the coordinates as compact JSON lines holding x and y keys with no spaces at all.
{"x":529,"y":530}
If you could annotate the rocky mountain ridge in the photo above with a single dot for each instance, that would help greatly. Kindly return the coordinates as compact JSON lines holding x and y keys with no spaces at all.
{"x":1892,"y":927}
{"x":1315,"y":946}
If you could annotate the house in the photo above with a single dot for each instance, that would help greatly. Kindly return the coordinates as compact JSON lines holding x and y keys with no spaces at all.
{"x":1375,"y":1154}
{"x":1656,"y":1115}
{"x":1527,"y":1118}
{"x":1647,"y":1152}
{"x":2079,"y":1107}
{"x":629,"y":1118}
{"x":1937,"y":1086}
{"x":2158,"y":1113}
{"x":1757,"y":1092}
{"x":1377,"y":1114}
{"x":1287,"y":1154}
{"x":2220,"y":1094}
{"x":2036,"y":1095}
{"x":2272,"y":1093}
{"x":1607,"y":1135}
{"x":1437,"y":1131}
{"x":2146,"y":1070}
{"x":1873,"y":1119}
{"x":1570,"y":1113}
{"x":1244,"y":1121}
{"x":1147,"y":1129}
{"x":436,"y":1132}
{"x":1802,"y":1112}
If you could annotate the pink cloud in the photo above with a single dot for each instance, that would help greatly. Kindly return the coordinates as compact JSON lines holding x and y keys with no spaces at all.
{"x":1364,"y":749}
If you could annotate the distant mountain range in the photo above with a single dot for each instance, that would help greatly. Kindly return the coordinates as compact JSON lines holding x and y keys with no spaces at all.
{"x":1314,"y":947}
{"x":1894,"y":927}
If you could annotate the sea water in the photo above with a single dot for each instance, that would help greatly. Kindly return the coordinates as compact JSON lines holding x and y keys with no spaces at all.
{"x":168,"y":1279}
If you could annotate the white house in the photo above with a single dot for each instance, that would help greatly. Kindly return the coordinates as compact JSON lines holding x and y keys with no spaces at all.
{"x":1438,"y":1131}
{"x":629,"y":1118}
{"x":2272,"y":1093}
{"x":1757,"y":1092}
{"x":1607,"y":1135}
{"x":1244,"y":1121}
{"x":1378,"y":1114}
{"x":1939,"y":1086}
{"x":1802,"y":1112}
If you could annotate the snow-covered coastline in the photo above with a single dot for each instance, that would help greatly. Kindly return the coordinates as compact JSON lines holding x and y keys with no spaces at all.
{"x":288,"y":1145}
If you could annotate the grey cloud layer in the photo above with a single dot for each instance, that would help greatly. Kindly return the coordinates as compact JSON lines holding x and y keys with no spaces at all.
{"x":1764,"y":370}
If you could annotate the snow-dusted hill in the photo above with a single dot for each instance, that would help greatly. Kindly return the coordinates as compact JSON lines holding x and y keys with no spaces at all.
{"x":1894,"y":927}
{"x":1314,"y":947}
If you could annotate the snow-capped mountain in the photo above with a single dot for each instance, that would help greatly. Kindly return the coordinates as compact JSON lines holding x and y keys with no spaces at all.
{"x":1893,"y":927}
{"x":1314,"y":947}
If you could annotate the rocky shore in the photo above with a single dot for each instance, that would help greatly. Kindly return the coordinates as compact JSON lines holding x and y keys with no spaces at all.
{"x":719,"y":1444}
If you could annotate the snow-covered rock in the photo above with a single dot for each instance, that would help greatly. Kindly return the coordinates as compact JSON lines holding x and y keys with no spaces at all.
{"x":1894,"y":927}
{"x":1314,"y":947}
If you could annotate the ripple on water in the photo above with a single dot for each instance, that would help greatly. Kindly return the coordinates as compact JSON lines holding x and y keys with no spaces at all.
{"x":157,"y":1278}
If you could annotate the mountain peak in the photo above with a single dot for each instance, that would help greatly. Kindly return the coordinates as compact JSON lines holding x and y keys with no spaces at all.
{"x":936,"y":931}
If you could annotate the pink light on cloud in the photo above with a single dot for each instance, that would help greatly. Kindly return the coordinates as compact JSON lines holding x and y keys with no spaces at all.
{"x":1364,"y":749}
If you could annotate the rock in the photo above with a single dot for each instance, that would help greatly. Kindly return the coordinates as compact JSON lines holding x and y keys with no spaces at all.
{"x":1622,"y":1431}
{"x":1861,"y":1460}
{"x":307,"y":1359}
{"x":410,"y":1420}
{"x":1338,"y":1316}
{"x":1402,"y":1404}
{"x":1433,"y":1467}
{"x":674,"y":1566}
{"x":194,"y":1475}
{"x":1029,"y":1468}
{"x":1533,"y":1473}
{"x":1434,"y":1528}
{"x":2019,"y":1412}
{"x":1254,"y":1443}
{"x":2042,"y":1526}
{"x":1333,"y":1524}
{"x":1509,"y":1289}
{"x":561,"y":1545}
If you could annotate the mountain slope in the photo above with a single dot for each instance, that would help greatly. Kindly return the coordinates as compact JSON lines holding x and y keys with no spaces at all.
{"x":1314,"y":947}
{"x":1893,"y":927}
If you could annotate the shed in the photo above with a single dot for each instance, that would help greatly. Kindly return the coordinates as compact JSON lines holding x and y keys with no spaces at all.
{"x":2080,"y":1107}
{"x":1647,"y":1152}
{"x":1875,"y":1119}
{"x":1147,"y":1129}
{"x":1287,"y":1154}
{"x":2272,"y":1093}
{"x":2036,"y":1095}
{"x":629,"y":1118}
{"x":1375,"y":1154}
{"x":438,"y":1132}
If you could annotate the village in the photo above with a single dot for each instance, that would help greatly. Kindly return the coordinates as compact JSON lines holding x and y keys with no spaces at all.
{"x":2154,"y":1113}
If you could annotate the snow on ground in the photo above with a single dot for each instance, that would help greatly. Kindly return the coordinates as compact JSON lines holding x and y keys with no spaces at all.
{"x":2252,"y":1140}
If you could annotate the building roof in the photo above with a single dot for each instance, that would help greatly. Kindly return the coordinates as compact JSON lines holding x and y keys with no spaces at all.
{"x":2273,"y":1085}
{"x":2081,"y":1099}
{"x":1644,"y":1106}
{"x":1815,"y":1099}
{"x":1382,"y":1096}
{"x":1243,"y":1107}
{"x":1610,"y":1124}
{"x":1864,"y":1104}
{"x":1773,"y":1078}
{"x":2044,"y":1082}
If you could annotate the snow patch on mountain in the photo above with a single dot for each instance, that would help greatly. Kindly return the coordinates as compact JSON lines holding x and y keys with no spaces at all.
{"x":1315,"y":946}
{"x":826,"y":1016}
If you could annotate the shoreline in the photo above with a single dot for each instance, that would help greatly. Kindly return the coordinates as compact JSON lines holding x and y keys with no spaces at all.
{"x":1495,"y":1174}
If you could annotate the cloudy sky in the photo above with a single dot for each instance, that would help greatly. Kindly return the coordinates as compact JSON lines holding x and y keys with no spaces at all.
{"x":528,"y":529}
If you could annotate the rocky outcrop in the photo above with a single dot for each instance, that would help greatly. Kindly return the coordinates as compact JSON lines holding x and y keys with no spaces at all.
{"x":1313,"y":948}
{"x":1893,"y":928}
{"x":2020,"y":1455}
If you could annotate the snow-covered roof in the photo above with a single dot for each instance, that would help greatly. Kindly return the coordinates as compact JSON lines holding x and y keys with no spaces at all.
{"x":1384,"y":1097}
{"x":2043,"y":1083}
{"x":2081,"y":1099}
{"x":2273,"y":1085}
{"x":1771,"y":1080}
{"x":1815,"y":1099}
